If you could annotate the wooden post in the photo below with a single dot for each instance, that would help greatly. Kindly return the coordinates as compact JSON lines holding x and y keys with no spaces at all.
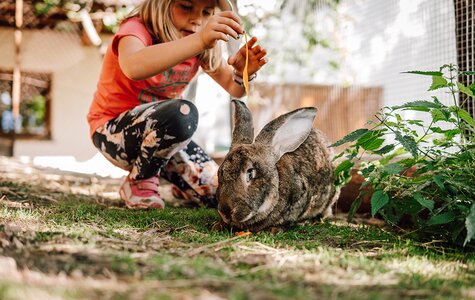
{"x":16,"y":89}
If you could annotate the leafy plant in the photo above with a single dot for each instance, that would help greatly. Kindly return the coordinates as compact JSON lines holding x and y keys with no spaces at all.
{"x":35,"y":109}
{"x":111,"y":17}
{"x":422,"y":172}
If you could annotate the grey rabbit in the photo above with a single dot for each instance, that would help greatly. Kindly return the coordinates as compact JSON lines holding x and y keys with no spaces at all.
{"x":282,"y":177}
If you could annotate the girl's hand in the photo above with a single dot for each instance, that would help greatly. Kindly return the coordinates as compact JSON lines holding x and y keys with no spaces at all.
{"x":256,"y":58}
{"x":220,"y":27}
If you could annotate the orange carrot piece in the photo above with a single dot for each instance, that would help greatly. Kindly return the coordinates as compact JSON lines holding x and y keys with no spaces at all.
{"x":243,"y":233}
{"x":245,"y":75}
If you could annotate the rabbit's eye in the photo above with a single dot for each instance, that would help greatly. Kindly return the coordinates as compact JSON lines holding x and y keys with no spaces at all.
{"x":250,"y":174}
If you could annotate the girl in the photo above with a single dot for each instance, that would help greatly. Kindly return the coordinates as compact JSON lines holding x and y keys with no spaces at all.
{"x":136,"y":120}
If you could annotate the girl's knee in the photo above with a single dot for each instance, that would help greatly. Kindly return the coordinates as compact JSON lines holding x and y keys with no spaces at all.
{"x":179,"y":117}
{"x":186,"y":121}
{"x":187,"y":110}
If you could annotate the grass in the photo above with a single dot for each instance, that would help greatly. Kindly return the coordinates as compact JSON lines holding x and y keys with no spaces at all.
{"x":107,"y":251}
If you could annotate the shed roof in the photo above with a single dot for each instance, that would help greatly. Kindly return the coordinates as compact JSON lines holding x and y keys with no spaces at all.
{"x":36,"y":14}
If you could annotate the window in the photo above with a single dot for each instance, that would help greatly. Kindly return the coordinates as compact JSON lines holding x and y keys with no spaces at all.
{"x":34,"y":119}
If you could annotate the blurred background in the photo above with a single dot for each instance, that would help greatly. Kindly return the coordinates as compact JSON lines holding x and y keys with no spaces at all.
{"x":345,"y":57}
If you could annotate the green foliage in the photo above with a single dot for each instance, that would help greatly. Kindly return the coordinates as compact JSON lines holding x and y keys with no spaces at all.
{"x":111,"y":20}
{"x":422,"y":173}
{"x":34,"y":109}
{"x":45,"y":7}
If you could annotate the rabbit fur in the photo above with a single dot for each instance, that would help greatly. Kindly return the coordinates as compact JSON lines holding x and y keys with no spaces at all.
{"x":282,"y":177}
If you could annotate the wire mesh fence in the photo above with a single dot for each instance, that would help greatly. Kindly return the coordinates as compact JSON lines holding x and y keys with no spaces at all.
{"x":375,"y":42}
{"x":465,"y":39}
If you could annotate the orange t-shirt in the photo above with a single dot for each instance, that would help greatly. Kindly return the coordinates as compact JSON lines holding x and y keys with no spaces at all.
{"x":116,"y":93}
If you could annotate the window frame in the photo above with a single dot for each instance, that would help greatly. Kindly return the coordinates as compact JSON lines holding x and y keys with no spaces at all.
{"x":30,"y":76}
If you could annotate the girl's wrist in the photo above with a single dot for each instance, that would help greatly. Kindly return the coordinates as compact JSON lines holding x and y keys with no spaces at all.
{"x":239,"y":80}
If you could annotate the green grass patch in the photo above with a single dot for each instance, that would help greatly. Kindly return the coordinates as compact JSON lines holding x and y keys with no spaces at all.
{"x":173,"y":253}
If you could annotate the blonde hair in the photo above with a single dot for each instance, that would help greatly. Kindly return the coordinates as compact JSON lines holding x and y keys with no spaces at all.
{"x":156,"y":16}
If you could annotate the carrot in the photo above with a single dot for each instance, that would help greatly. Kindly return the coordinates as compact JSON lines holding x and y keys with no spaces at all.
{"x":243,"y":233}
{"x":245,"y":75}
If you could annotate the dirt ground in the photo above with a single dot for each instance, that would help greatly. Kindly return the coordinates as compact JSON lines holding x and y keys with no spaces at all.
{"x":97,"y":249}
{"x":44,"y":266}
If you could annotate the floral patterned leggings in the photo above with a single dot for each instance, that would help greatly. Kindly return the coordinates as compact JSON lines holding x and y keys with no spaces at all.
{"x":154,"y":139}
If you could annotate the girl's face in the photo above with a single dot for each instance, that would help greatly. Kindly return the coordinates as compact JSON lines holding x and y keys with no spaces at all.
{"x":189,"y":16}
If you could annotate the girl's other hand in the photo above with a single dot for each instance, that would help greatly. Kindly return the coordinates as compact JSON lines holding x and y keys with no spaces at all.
{"x":219,"y":27}
{"x":256,"y":58}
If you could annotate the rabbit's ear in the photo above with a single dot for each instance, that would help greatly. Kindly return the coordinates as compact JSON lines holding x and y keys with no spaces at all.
{"x":243,"y":132}
{"x":287,"y":132}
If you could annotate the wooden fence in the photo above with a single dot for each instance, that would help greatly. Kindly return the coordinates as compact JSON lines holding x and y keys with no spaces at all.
{"x":340,"y":109}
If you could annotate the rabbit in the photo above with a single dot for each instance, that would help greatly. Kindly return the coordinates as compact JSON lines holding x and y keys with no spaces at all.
{"x":283,"y":177}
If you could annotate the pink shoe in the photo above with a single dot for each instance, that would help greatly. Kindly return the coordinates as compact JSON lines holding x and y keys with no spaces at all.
{"x":141,"y":193}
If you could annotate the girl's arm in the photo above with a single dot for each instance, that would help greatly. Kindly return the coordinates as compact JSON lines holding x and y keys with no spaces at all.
{"x":224,"y":74}
{"x":224,"y":77}
{"x":138,"y":61}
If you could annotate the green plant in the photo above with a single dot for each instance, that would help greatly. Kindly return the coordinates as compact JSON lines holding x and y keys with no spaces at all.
{"x":422,"y":172}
